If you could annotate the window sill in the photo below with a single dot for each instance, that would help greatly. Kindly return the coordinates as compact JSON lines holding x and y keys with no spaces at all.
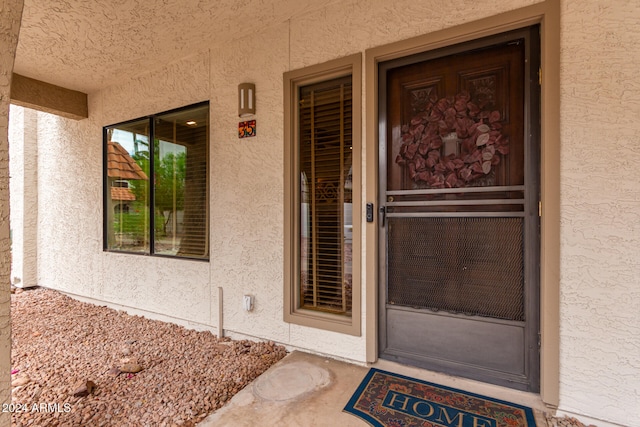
{"x":327,"y":321}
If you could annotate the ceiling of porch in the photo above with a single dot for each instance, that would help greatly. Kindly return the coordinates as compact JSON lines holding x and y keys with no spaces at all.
{"x":86,"y":45}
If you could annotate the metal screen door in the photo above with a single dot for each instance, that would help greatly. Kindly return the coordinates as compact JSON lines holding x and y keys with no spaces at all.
{"x":459,"y":155}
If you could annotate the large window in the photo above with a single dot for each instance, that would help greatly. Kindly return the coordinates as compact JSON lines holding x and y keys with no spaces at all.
{"x":322,"y":232}
{"x":156,"y":187}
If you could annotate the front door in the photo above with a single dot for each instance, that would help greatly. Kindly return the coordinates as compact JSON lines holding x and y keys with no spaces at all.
{"x":459,"y":220}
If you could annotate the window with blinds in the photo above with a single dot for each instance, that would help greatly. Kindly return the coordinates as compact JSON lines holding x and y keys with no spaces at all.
{"x":167,"y":215}
{"x":325,"y":167}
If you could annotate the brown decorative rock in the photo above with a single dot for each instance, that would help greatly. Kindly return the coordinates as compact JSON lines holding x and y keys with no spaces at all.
{"x":20,"y":381}
{"x":130,"y":367}
{"x":187,"y":382}
{"x":36,"y":394}
{"x":84,"y":389}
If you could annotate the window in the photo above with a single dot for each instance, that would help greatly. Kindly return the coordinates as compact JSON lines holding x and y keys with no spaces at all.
{"x":169,"y":214}
{"x":322,"y":126}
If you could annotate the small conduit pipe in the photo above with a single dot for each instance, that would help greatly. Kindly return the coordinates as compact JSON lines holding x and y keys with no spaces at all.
{"x":220,"y":316}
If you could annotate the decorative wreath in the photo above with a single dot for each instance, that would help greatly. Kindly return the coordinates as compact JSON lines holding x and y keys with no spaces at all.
{"x":476,"y":130}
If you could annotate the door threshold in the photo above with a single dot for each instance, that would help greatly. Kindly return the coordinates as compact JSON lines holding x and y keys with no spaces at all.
{"x":532,"y":400}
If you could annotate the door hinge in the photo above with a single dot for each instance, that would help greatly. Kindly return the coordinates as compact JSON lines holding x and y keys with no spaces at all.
{"x":539,"y":340}
{"x":540,"y":209}
{"x":540,"y":76}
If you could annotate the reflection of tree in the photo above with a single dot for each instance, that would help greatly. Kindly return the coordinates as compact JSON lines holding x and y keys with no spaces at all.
{"x":169,"y":185}
{"x":139,"y":188}
{"x":169,"y":177}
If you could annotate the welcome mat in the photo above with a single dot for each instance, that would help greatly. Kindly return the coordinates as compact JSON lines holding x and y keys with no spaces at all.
{"x":384,"y":399}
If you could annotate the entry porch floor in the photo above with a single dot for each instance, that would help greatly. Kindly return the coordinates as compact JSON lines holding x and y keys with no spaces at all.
{"x":310,"y":390}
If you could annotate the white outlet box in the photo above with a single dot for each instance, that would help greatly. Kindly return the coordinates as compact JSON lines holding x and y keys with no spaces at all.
{"x":247,"y":302}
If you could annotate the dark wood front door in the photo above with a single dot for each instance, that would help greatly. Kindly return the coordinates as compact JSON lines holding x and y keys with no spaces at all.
{"x":459,"y":210}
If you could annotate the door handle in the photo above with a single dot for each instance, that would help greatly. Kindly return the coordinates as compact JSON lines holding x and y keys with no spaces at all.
{"x":383,"y":214}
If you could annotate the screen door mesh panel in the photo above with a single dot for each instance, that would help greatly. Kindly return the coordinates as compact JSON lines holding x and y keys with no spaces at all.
{"x":473,"y":266}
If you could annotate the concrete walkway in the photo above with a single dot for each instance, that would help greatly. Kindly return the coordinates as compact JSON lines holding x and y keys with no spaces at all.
{"x":310,"y":391}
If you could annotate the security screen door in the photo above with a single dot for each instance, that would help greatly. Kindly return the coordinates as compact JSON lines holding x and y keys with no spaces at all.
{"x":459,"y":222}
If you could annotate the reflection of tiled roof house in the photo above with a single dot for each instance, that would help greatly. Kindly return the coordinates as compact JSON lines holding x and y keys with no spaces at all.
{"x":120,"y":168}
{"x":122,"y":194}
{"x":120,"y":165}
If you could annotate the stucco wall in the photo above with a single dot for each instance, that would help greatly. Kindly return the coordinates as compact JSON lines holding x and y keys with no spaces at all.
{"x":17,"y":131}
{"x":23,"y":168}
{"x":71,"y":203}
{"x":600,"y":342}
{"x":9,"y":30}
{"x":600,"y":205}
{"x":247,"y":184}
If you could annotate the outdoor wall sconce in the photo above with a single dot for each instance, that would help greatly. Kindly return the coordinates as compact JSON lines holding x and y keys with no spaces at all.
{"x":246,"y":99}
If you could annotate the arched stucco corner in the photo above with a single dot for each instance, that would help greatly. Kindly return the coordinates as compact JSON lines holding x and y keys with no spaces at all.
{"x":9,"y":29}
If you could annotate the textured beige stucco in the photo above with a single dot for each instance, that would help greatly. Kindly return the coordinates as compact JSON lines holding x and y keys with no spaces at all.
{"x":23,"y":168}
{"x":600,"y":205}
{"x":169,"y":86}
{"x":247,"y":184}
{"x":98,"y":43}
{"x":600,"y":208}
{"x":10,"y":15}
{"x":354,"y":26}
{"x":17,"y":131}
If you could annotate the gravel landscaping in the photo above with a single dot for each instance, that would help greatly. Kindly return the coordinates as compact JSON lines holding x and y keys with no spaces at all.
{"x":564,"y":422}
{"x":78,"y":364}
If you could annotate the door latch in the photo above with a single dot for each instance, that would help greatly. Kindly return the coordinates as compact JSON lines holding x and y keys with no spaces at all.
{"x":383,"y":214}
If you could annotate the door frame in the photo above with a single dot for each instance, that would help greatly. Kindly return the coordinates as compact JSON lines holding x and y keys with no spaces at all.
{"x":547,"y":14}
{"x":529,"y":379}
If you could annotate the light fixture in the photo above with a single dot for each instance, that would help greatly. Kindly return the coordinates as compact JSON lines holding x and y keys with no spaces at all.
{"x":246,"y":99}
{"x":191,"y":123}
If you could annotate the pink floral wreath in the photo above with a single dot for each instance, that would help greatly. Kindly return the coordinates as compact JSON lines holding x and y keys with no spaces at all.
{"x":476,"y":131}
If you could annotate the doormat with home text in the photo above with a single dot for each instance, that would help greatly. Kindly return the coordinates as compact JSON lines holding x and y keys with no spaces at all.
{"x":384,"y":399}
